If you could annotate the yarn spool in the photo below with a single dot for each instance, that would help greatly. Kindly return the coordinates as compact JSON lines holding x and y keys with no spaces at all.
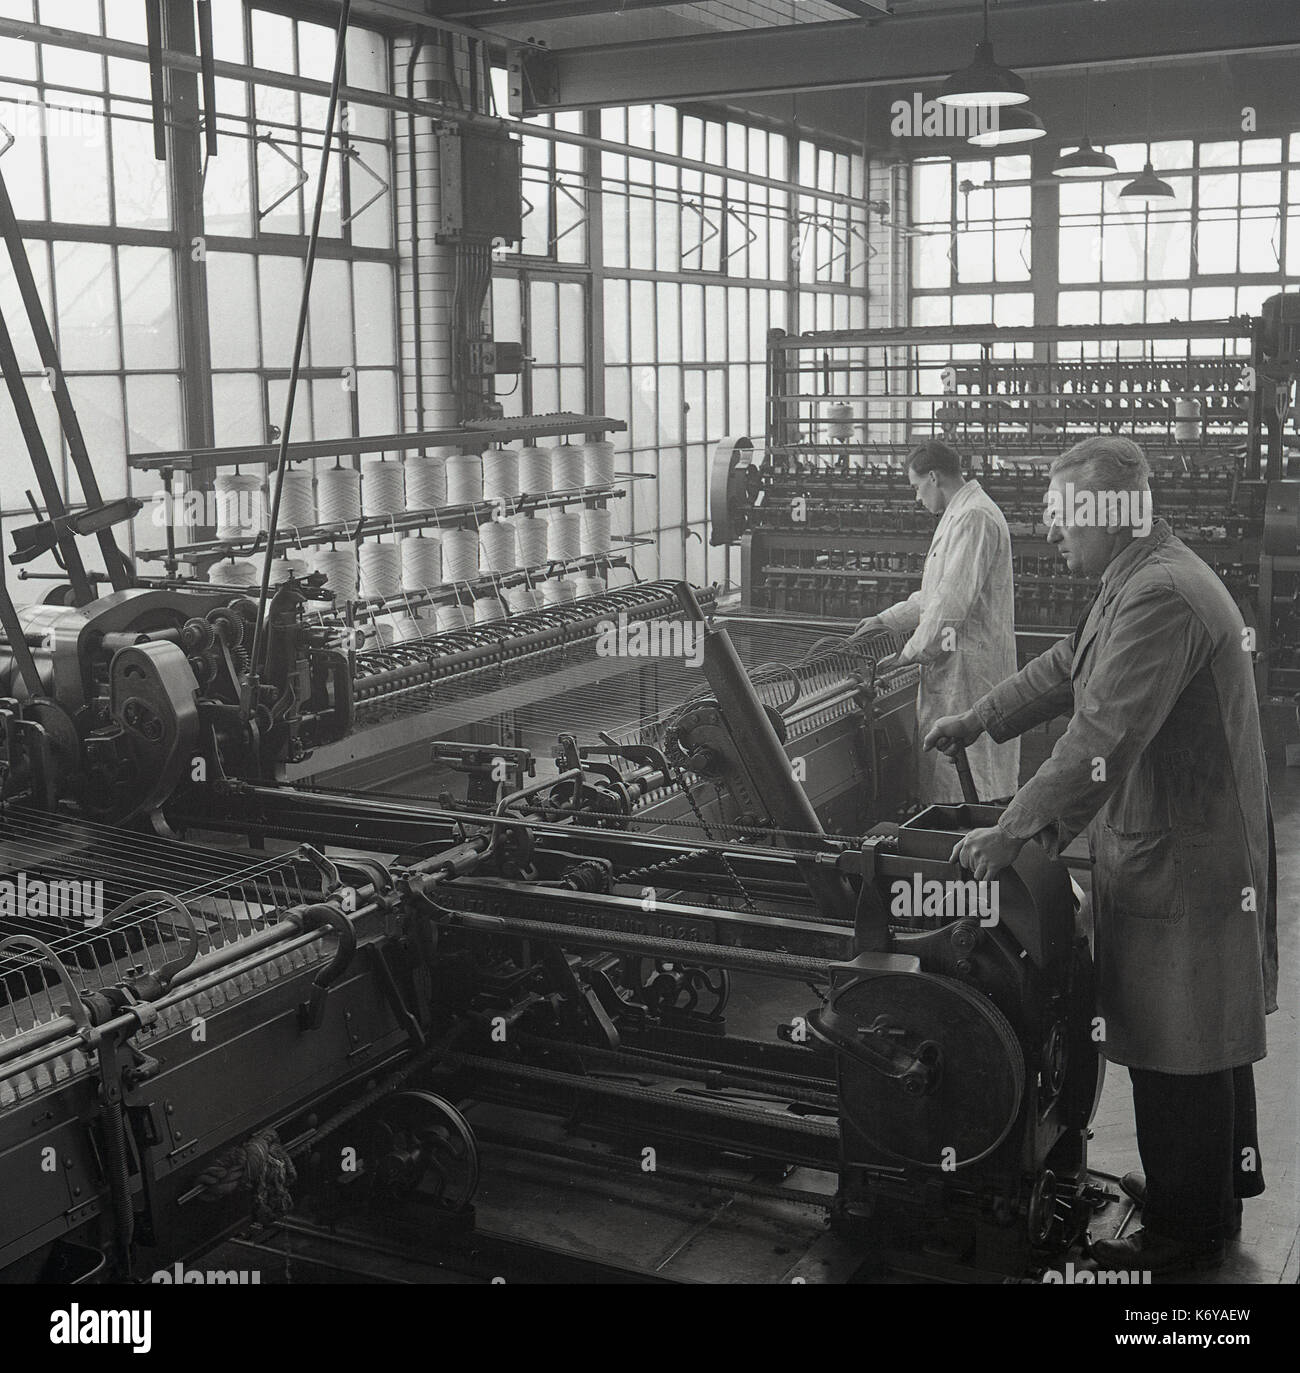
{"x":488,"y":609}
{"x":241,"y":505}
{"x":421,"y":562}
{"x":407,"y":628}
{"x":460,"y":550}
{"x":598,"y":463}
{"x":284,"y":568}
{"x":383,"y":487}
{"x":381,"y":570}
{"x":522,"y":600}
{"x":464,"y":479}
{"x":298,"y":500}
{"x":426,"y":483}
{"x":561,"y":591}
{"x":564,"y":536}
{"x":497,"y":547}
{"x":339,"y":566}
{"x":500,"y":473}
{"x":596,"y":530}
{"x":588,"y":586}
{"x":235,"y":573}
{"x":379,"y":633}
{"x":568,"y":468}
{"x":338,"y":495}
{"x":452,"y":617}
{"x":1187,"y":419}
{"x":531,"y":540}
{"x":534,"y":471}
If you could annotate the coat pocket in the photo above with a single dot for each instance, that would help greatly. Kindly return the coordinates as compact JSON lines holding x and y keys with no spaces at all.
{"x":1139,"y":876}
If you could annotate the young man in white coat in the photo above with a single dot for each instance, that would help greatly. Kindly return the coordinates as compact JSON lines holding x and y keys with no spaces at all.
{"x":1163,"y":764}
{"x":960,"y":624}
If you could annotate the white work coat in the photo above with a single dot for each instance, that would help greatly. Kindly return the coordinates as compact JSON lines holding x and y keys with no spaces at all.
{"x":961,"y":628}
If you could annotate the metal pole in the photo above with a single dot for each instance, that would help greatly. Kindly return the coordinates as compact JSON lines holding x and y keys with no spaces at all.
{"x":286,"y":424}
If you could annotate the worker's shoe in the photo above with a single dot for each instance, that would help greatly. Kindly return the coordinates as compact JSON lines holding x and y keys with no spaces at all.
{"x":1155,"y":1254}
{"x":1134,"y":1186}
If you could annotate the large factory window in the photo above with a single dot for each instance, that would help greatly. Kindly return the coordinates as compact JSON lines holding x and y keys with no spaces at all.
{"x":95,"y":210}
{"x":698,"y":268}
{"x":1228,"y":238}
{"x":258,"y":196}
{"x":971,"y":242}
{"x":1217,"y":248}
{"x":92,"y":205}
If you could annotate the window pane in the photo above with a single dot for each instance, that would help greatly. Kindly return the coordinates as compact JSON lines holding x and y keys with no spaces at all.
{"x":376,"y":331}
{"x":148,"y":308}
{"x":87,"y":319}
{"x":330,"y":314}
{"x":153,"y":413}
{"x":237,"y":409}
{"x":279,"y":287}
{"x":78,"y":167}
{"x":232,"y":310}
{"x":139,"y":180}
{"x":98,"y":402}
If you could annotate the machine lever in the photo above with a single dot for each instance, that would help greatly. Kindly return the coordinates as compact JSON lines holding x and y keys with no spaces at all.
{"x":962,"y":764}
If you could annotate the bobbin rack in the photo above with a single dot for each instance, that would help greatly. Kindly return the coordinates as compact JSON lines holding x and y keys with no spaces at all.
{"x":207,"y":555}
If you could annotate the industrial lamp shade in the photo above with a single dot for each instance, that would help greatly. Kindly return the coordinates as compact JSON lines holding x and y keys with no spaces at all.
{"x":1014,"y":124}
{"x":1148,"y":186}
{"x":1085,"y":160}
{"x":983,"y":82}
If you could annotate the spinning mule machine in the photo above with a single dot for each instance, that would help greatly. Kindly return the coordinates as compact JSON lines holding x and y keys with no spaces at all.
{"x":827,"y":524}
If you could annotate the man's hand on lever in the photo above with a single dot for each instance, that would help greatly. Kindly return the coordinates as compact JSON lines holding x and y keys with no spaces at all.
{"x":868,"y":626}
{"x":953,"y":732}
{"x":985,"y":853}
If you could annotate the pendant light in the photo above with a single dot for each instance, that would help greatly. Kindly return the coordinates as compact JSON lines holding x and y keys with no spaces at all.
{"x":1148,"y":186}
{"x":983,"y":82}
{"x":1011,"y":124}
{"x":1085,"y":160}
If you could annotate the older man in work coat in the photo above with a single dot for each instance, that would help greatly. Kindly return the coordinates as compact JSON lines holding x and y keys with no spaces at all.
{"x":1163,"y":763}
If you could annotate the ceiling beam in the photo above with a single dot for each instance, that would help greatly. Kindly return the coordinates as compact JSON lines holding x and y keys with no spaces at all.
{"x":539,"y":11}
{"x":1055,"y":35}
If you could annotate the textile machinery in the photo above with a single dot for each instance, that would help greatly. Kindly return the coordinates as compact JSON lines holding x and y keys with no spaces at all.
{"x":224,"y":991}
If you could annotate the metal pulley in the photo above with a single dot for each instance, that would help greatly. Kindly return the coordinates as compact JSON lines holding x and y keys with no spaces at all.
{"x":734,"y":485}
{"x":949,"y":1090}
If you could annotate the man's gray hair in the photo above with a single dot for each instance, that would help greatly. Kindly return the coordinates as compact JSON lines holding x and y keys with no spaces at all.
{"x":1105,"y":462}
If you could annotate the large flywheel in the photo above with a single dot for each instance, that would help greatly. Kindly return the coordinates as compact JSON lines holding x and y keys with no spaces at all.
{"x":932,"y":1073}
